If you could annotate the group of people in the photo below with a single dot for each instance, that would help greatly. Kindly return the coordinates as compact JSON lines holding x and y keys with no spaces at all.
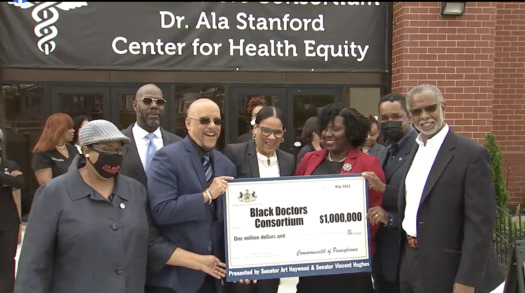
{"x":140,"y":210}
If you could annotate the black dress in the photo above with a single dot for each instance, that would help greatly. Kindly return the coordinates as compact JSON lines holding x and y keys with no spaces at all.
{"x":53,"y":159}
{"x":342,"y":283}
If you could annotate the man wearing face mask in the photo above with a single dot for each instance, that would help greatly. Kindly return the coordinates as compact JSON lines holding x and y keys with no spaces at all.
{"x":396,"y":128}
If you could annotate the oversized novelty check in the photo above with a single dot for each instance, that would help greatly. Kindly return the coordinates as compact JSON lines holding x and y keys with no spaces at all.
{"x":296,"y":226}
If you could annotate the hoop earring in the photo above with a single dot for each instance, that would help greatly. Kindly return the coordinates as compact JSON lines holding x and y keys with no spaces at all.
{"x":282,"y":140}
{"x":253,"y":136}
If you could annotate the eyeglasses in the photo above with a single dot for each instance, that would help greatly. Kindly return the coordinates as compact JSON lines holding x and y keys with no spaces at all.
{"x":147,"y":101}
{"x":428,"y":109}
{"x":279,"y":133}
{"x":208,"y":120}
{"x":110,"y":151}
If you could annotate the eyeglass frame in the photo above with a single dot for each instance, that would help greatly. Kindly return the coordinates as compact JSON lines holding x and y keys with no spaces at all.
{"x":202,"y":120}
{"x":110,"y":151}
{"x":428,"y":109}
{"x":156,"y":100}
{"x":271,"y":130}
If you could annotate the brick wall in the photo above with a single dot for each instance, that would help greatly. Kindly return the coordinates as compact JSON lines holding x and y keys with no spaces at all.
{"x":476,"y":62}
{"x":509,"y":95}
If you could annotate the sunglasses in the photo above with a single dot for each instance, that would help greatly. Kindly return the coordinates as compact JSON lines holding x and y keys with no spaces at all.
{"x":110,"y":151}
{"x":279,"y":133}
{"x":428,"y":109}
{"x":207,"y":120}
{"x":147,"y":101}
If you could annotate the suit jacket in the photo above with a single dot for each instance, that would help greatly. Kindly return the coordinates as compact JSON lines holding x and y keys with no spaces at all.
{"x":388,"y":237}
{"x":132,"y":165}
{"x":175,"y":184}
{"x":376,"y":149}
{"x":455,"y":219}
{"x":8,"y":212}
{"x":360,"y":162}
{"x":244,"y":157}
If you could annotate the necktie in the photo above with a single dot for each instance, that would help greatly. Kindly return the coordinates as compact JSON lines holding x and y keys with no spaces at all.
{"x":151,"y":150}
{"x":206,"y":163}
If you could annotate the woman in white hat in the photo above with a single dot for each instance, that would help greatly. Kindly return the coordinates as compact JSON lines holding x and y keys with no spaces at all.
{"x":90,"y":230}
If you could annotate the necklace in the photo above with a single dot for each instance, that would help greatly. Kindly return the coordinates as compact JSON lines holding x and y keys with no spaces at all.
{"x":61,"y":147}
{"x":339,"y":161}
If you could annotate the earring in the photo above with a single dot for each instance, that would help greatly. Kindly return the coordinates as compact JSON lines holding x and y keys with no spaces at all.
{"x":86,"y":155}
{"x":253,"y":136}
{"x":282,"y":140}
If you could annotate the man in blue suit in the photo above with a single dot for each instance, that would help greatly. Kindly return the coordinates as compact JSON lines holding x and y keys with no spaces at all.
{"x":185,"y":205}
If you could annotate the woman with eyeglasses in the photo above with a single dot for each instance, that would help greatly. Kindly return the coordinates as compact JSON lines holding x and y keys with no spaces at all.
{"x":261,"y":158}
{"x":90,"y":230}
{"x":344,"y":130}
{"x":53,"y":152}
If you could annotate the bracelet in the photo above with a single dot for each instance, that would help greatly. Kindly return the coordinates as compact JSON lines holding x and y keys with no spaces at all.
{"x":209,"y":195}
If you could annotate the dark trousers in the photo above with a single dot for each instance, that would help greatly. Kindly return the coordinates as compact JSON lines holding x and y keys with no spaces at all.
{"x":262,"y":286}
{"x":208,"y":286}
{"x":408,"y":275}
{"x":343,"y":283}
{"x":382,"y":285}
{"x":8,"y":244}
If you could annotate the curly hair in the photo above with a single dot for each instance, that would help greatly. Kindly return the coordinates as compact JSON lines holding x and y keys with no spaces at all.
{"x":357,"y":126}
{"x":254,"y":102}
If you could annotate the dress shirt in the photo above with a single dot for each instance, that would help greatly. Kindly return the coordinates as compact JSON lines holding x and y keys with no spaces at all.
{"x":142,"y":141}
{"x":265,"y":170}
{"x":417,"y":177}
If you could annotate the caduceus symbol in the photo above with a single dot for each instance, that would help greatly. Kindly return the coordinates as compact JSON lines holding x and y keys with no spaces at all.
{"x":47,"y":15}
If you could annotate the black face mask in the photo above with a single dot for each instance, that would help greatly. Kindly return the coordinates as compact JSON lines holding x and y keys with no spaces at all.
{"x":107,"y":165}
{"x":392,"y":131}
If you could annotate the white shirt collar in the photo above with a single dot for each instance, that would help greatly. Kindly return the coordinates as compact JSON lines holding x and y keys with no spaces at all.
{"x":141,"y":133}
{"x":436,"y":140}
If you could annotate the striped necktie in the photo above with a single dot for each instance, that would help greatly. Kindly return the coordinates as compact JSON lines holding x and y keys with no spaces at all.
{"x":206,"y":163}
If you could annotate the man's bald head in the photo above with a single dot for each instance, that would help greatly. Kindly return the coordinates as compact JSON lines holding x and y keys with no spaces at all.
{"x":148,"y":108}
{"x":201,"y":123}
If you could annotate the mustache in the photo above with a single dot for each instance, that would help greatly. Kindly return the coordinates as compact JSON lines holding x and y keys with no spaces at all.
{"x":154,"y":112}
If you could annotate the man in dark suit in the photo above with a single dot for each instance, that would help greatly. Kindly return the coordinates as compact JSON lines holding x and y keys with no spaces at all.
{"x":149,"y":106}
{"x":397,"y":130}
{"x":447,"y":205}
{"x":185,"y":204}
{"x":10,"y":177}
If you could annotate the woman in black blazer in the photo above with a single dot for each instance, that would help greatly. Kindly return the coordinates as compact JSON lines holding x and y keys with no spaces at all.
{"x":260,"y":158}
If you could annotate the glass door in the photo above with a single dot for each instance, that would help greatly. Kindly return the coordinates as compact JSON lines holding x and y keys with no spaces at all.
{"x":305,"y":103}
{"x":92,"y":101}
{"x":298,"y":104}
{"x":238,"y":118}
